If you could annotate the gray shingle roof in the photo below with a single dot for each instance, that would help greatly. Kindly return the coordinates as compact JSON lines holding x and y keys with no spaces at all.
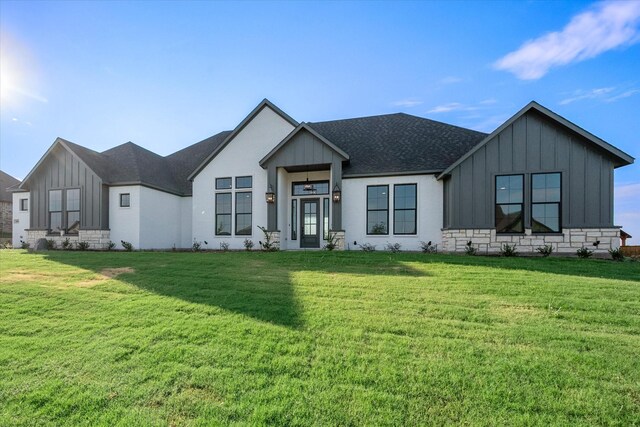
{"x":6,"y":181}
{"x":397,"y":143}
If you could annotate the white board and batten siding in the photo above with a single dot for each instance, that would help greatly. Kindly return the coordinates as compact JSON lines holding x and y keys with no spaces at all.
{"x":240,"y":157}
{"x":428,"y":214}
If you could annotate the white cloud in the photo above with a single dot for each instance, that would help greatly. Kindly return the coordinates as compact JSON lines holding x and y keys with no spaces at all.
{"x":628,"y":191}
{"x":623,"y":95}
{"x":445,"y":108}
{"x":589,"y":94}
{"x":406,"y":103}
{"x":605,"y":26}
{"x":489,"y":101}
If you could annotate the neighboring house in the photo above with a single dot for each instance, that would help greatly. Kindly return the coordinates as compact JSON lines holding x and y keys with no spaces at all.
{"x":624,"y":236}
{"x":537,"y":179}
{"x":6,"y":204}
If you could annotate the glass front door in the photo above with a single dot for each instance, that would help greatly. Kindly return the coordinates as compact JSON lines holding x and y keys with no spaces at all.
{"x":310,"y":223}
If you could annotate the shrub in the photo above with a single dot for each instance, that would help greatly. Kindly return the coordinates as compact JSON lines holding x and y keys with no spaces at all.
{"x":616,"y":254}
{"x":269,"y":244}
{"x":66,"y":244}
{"x":6,"y":245}
{"x":428,"y":248}
{"x":51,"y":244}
{"x":196,"y":246}
{"x":248,"y":244}
{"x":332,"y":241}
{"x":508,"y":250}
{"x":545,"y":250}
{"x":469,"y":249}
{"x":367,"y":247}
{"x":24,"y":245}
{"x":110,"y":245}
{"x":584,"y":253}
{"x":378,"y":228}
{"x":126,"y":245}
{"x":394,"y":247}
{"x":224,"y":246}
{"x":82,"y":246}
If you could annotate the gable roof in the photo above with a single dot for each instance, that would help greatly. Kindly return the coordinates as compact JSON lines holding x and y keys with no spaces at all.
{"x":303,"y":126}
{"x":264,"y":103}
{"x":397,"y":143}
{"x":621,"y":157}
{"x":6,"y":181}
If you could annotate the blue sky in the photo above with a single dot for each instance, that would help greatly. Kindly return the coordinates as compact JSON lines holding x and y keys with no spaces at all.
{"x":167,"y":74}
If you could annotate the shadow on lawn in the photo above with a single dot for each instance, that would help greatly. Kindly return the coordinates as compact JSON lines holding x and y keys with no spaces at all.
{"x":254,"y":284}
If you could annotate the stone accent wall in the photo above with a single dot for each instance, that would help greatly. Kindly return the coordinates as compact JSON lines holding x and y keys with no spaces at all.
{"x":571,"y":239}
{"x":97,"y":239}
{"x":339,"y":239}
{"x":6,"y":217}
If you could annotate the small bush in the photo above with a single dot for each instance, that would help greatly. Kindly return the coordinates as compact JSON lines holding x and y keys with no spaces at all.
{"x":616,"y":254}
{"x":394,"y":247}
{"x":269,"y":244}
{"x":248,"y":244}
{"x":82,"y":246}
{"x":332,"y":242}
{"x":545,"y":250}
{"x":24,"y":245}
{"x":584,"y":253}
{"x":51,"y":244}
{"x":110,"y":245}
{"x":379,"y":228}
{"x":66,"y":244}
{"x":428,"y":248}
{"x":224,"y":246}
{"x":367,"y":247}
{"x":126,"y":245}
{"x":508,"y":250}
{"x":196,"y":246}
{"x":469,"y":249}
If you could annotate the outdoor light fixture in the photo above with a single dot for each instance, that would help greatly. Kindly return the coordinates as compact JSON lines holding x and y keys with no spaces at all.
{"x":270,"y":196}
{"x":337,"y":194}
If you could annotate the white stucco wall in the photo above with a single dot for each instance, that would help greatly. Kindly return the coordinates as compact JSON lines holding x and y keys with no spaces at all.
{"x":429,"y":212}
{"x":161,"y":221}
{"x":20,"y":220}
{"x":239,"y":158}
{"x":125,"y":222}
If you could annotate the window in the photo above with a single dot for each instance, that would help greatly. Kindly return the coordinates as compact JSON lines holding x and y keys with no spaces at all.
{"x":55,"y":210}
{"x":244,"y":182}
{"x":24,"y":204}
{"x":310,"y":187}
{"x":545,"y":202}
{"x":404,"y":208}
{"x":223,"y":214}
{"x":294,"y":219}
{"x":509,"y":203}
{"x":325,"y":217}
{"x":243,"y":213}
{"x":125,"y":200}
{"x":73,"y":210}
{"x":378,"y":209}
{"x":223,"y":183}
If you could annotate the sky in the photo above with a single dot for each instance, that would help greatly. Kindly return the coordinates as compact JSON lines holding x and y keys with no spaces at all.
{"x":168,"y":74}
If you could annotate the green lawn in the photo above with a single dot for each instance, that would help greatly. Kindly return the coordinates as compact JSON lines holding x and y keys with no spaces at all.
{"x":300,"y":338}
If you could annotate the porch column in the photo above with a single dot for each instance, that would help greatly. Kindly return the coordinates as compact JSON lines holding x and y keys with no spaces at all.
{"x":272,"y":208}
{"x":336,"y":178}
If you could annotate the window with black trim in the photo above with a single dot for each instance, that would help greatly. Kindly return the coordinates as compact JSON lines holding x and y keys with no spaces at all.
{"x":294,"y":219}
{"x":55,"y":210}
{"x":24,"y":205}
{"x":223,"y":183}
{"x":73,"y":210}
{"x":377,"y":209}
{"x":243,"y":213}
{"x":244,"y":182}
{"x":307,"y":188}
{"x":546,"y":199}
{"x":404,"y":208}
{"x":125,"y":200}
{"x":509,"y":204}
{"x":223,"y":214}
{"x":325,"y":218}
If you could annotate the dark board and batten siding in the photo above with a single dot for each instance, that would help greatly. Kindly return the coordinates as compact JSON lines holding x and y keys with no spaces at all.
{"x":61,"y":170}
{"x":532,"y":144}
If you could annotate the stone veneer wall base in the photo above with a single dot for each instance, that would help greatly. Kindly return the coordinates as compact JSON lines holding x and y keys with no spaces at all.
{"x":97,"y":239}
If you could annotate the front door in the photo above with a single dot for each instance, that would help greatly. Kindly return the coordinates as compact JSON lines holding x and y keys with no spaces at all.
{"x":310,"y":223}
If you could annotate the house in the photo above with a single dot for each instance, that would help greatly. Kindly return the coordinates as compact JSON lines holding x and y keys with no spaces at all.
{"x":537,"y":179}
{"x":6,"y":204}
{"x":623,"y":237}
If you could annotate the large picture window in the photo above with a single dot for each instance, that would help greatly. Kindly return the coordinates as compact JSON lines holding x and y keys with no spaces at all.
{"x":55,"y":210}
{"x":545,"y":202}
{"x":404,"y":208}
{"x":378,"y":209}
{"x":509,"y":204}
{"x":73,"y":210}
{"x":243,"y":213}
{"x":223,"y":214}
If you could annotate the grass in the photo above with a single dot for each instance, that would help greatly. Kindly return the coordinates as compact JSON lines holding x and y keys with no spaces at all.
{"x":300,"y":338}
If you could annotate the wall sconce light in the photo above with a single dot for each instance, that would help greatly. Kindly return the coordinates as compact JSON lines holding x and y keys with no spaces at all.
{"x":337,"y":194}
{"x":270,"y":196}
